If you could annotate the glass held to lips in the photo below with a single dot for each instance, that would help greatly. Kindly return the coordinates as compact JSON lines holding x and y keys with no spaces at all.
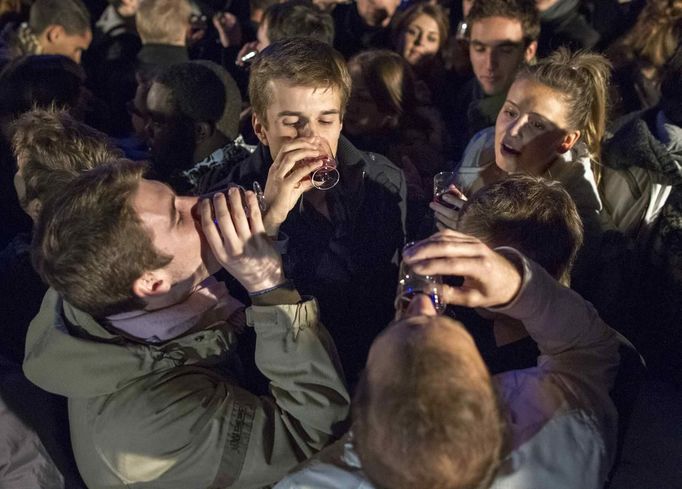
{"x":326,"y":176}
{"x":411,"y":284}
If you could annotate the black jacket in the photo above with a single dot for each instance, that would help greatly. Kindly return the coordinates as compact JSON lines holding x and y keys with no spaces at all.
{"x":350,"y":263}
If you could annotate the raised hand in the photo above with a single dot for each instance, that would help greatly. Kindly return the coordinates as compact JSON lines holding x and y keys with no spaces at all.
{"x":237,"y":238}
{"x":447,"y":216}
{"x":490,"y":279}
{"x":289,"y":178}
{"x":228,"y":28}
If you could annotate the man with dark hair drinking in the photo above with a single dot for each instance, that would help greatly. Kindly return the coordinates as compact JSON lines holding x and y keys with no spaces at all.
{"x":141,"y":340}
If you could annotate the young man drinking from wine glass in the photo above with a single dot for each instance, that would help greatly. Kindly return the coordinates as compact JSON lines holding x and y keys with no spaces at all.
{"x":343,"y":242}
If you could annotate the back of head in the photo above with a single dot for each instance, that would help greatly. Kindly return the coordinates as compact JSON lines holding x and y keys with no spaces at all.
{"x":533,"y":215}
{"x":301,"y":62}
{"x":298,"y":18}
{"x":671,"y":94}
{"x":655,"y":36}
{"x":51,"y":145}
{"x":89,"y":244}
{"x":390,"y":80}
{"x":163,"y":21}
{"x":229,"y":121}
{"x":72,"y":15}
{"x":582,"y":79}
{"x":40,"y":81}
{"x":196,"y":92}
{"x":522,"y":10}
{"x":434,"y":422}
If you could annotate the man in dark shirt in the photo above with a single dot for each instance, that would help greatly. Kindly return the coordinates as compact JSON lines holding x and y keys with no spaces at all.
{"x":502,"y":37}
{"x":363,"y":25}
{"x":343,"y":243}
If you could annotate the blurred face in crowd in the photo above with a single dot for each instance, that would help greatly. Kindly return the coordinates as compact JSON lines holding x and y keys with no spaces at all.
{"x":176,"y":232}
{"x":363,"y":116}
{"x":55,"y":40}
{"x":377,"y":13}
{"x":262,"y":36}
{"x":531,"y":129}
{"x":466,"y":7}
{"x":497,"y":50}
{"x":299,"y":111}
{"x":171,"y":136}
{"x":420,"y":40}
{"x":543,"y":5}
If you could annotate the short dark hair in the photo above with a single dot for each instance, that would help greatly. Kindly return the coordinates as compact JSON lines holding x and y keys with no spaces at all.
{"x":40,"y":81}
{"x":48,"y":142}
{"x":229,"y":122}
{"x":524,"y":11}
{"x":302,"y":62}
{"x":671,"y":96}
{"x":532,"y":214}
{"x":90,"y":245}
{"x":196,"y":92}
{"x":72,"y":15}
{"x":298,"y":18}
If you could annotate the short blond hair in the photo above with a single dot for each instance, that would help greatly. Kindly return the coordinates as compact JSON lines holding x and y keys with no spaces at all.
{"x":162,"y":21}
{"x":302,"y":62}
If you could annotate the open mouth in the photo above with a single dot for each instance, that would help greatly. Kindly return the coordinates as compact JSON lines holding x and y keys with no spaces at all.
{"x":509,"y":150}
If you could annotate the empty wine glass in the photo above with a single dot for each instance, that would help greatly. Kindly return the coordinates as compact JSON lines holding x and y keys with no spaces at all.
{"x":410,"y":284}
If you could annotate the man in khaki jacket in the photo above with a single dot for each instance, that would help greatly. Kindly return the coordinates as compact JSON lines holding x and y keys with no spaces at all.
{"x":139,"y":337}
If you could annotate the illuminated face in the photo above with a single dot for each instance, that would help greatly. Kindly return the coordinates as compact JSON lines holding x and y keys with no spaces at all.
{"x":420,"y":40}
{"x":497,"y":51}
{"x":299,"y":111}
{"x":531,"y":129}
{"x":175,"y":232}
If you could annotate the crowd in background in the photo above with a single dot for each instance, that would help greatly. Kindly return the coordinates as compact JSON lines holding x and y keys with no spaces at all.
{"x":584,"y":93}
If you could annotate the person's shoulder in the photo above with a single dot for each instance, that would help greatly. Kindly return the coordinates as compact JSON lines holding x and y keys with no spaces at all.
{"x":574,"y":438}
{"x":320,"y":475}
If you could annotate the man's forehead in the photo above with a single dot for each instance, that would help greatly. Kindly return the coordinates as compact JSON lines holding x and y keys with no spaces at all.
{"x":286,"y":96}
{"x":159,"y":98}
{"x":494,"y":31}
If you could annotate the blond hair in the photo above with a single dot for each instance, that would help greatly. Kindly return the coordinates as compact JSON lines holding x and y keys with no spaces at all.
{"x":582,"y":79}
{"x":654,"y":37}
{"x":163,"y":21}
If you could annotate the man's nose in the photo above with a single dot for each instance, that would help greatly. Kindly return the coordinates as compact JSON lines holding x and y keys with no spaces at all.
{"x":421,"y":305}
{"x":491,"y":60}
{"x":305,"y":130}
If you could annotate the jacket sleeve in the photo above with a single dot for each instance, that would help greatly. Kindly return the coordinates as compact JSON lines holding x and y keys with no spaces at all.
{"x":199,"y":429}
{"x":572,"y":338}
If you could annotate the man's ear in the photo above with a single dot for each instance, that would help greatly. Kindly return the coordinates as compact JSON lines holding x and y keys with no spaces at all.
{"x":53,"y":33}
{"x":203,"y":131}
{"x":151,"y":284}
{"x":530,"y":52}
{"x":259,"y":129}
{"x":568,"y":141}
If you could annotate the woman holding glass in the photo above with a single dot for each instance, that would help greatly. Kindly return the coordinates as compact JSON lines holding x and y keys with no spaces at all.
{"x":551,"y":125}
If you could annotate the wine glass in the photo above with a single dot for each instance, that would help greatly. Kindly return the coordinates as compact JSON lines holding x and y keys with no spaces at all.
{"x":327,"y":176}
{"x":410,"y":284}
